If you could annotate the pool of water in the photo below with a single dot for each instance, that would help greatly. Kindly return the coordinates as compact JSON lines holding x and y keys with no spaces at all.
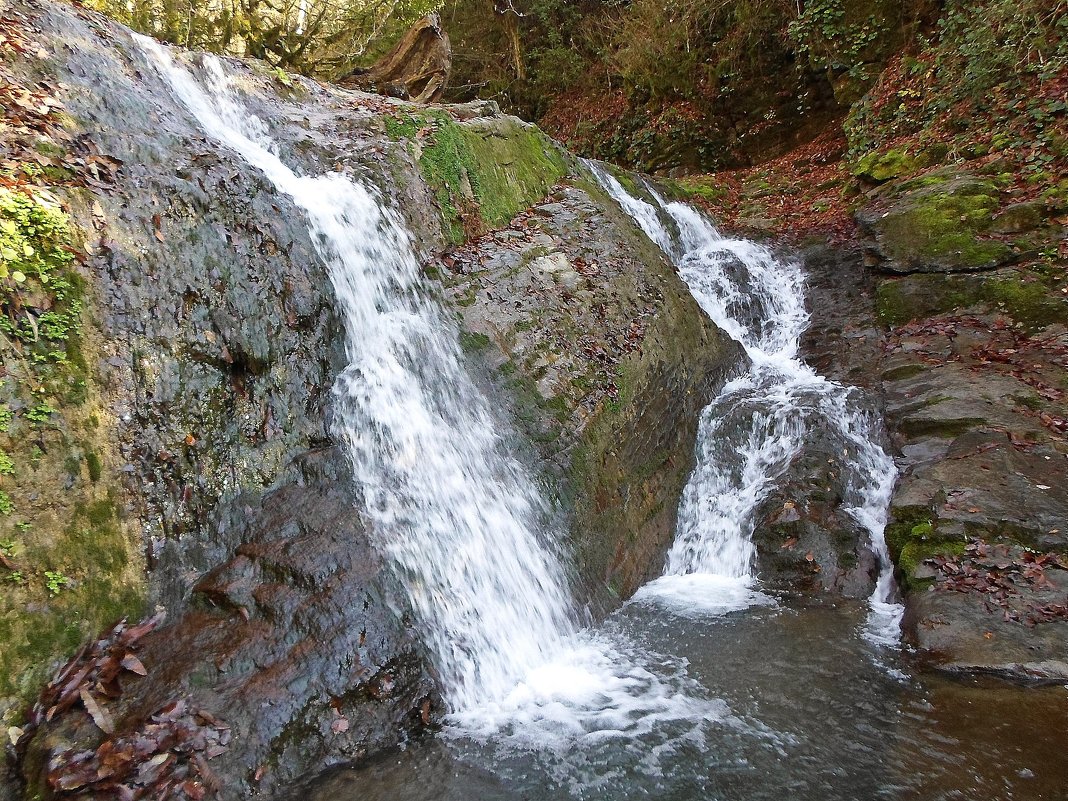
{"x":799,"y":705}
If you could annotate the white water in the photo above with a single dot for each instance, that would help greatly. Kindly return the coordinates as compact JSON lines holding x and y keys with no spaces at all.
{"x":462,"y":522}
{"x":456,"y":515}
{"x":759,"y":423}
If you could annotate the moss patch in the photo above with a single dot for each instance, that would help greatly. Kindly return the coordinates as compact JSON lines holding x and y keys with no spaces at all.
{"x":912,"y":536}
{"x":74,"y":562}
{"x":938,"y":223}
{"x":880,"y":167}
{"x":482,"y":172}
{"x":1026,"y":297}
{"x":515,"y":165}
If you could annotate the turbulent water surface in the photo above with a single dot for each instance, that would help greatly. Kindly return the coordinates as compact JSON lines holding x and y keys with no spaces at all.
{"x":703,"y":686}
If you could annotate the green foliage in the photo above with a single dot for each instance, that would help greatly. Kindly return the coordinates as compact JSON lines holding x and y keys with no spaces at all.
{"x":843,"y":36}
{"x":40,"y":413}
{"x":55,"y":582}
{"x":39,"y":292}
{"x":7,"y":465}
{"x":93,"y":463}
{"x":33,"y":234}
{"x":7,"y":506}
{"x":6,"y":416}
{"x":969,"y":78}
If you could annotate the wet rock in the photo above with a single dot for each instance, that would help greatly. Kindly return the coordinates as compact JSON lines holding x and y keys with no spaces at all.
{"x":609,"y":361}
{"x":976,"y":412}
{"x":296,"y":632}
{"x":216,"y":321}
{"x":805,"y":540}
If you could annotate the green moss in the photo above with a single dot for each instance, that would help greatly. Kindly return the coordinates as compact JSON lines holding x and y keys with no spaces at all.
{"x":1028,"y":302}
{"x":881,"y":167}
{"x":74,"y":564}
{"x":939,"y":222}
{"x":482,"y":172}
{"x":78,"y":589}
{"x":914,"y":553}
{"x":903,"y":372}
{"x":1026,"y":297}
{"x":690,"y":188}
{"x":471,"y":341}
{"x":912,"y":535}
{"x":515,"y":165}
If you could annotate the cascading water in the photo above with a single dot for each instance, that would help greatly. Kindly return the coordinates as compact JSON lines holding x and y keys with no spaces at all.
{"x":456,"y":514}
{"x":453,"y":511}
{"x":461,"y":520}
{"x":758,"y":424}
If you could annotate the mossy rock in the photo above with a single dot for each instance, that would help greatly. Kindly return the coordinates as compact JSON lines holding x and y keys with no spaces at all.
{"x":482,"y":171}
{"x":912,"y":535}
{"x":514,"y":165}
{"x":935,"y":224}
{"x":1020,"y":217}
{"x":879,"y":168}
{"x":1020,"y":294}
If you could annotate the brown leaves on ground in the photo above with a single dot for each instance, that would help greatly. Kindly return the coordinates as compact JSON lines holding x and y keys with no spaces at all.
{"x":807,"y":191}
{"x":35,"y":146}
{"x":163,"y":758}
{"x":995,"y":345}
{"x":1004,"y":576}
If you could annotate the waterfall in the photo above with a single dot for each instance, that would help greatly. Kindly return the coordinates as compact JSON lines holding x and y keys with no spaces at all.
{"x":456,"y":515}
{"x":758,"y":424}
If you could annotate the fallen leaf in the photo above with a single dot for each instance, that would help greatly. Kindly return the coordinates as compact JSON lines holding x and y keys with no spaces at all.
{"x":134,"y":665}
{"x":99,"y":715}
{"x":339,"y":725}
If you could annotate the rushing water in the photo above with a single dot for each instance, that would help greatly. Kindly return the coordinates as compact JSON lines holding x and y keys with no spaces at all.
{"x":702,"y":688}
{"x":759,"y":423}
{"x":457,"y":516}
{"x":455,"y":513}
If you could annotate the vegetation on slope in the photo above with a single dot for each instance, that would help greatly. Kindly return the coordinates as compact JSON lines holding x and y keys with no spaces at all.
{"x":68,"y":566}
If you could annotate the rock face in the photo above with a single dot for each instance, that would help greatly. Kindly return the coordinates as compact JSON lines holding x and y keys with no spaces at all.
{"x":292,"y":644}
{"x":973,"y":377}
{"x":218,"y":345}
{"x":978,"y":522}
{"x":934,"y":224}
{"x":610,"y":362}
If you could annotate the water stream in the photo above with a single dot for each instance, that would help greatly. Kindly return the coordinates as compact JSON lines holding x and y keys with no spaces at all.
{"x":455,"y":513}
{"x":703,"y":687}
{"x":760,"y":422}
{"x":459,"y":518}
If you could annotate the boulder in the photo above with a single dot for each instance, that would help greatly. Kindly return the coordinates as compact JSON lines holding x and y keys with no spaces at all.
{"x":294,"y":646}
{"x":936,"y":223}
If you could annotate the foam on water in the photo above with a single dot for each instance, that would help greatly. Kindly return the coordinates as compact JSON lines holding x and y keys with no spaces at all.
{"x":458,"y":517}
{"x":751,"y":433}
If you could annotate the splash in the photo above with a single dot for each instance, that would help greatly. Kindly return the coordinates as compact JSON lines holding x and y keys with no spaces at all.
{"x":751,"y":433}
